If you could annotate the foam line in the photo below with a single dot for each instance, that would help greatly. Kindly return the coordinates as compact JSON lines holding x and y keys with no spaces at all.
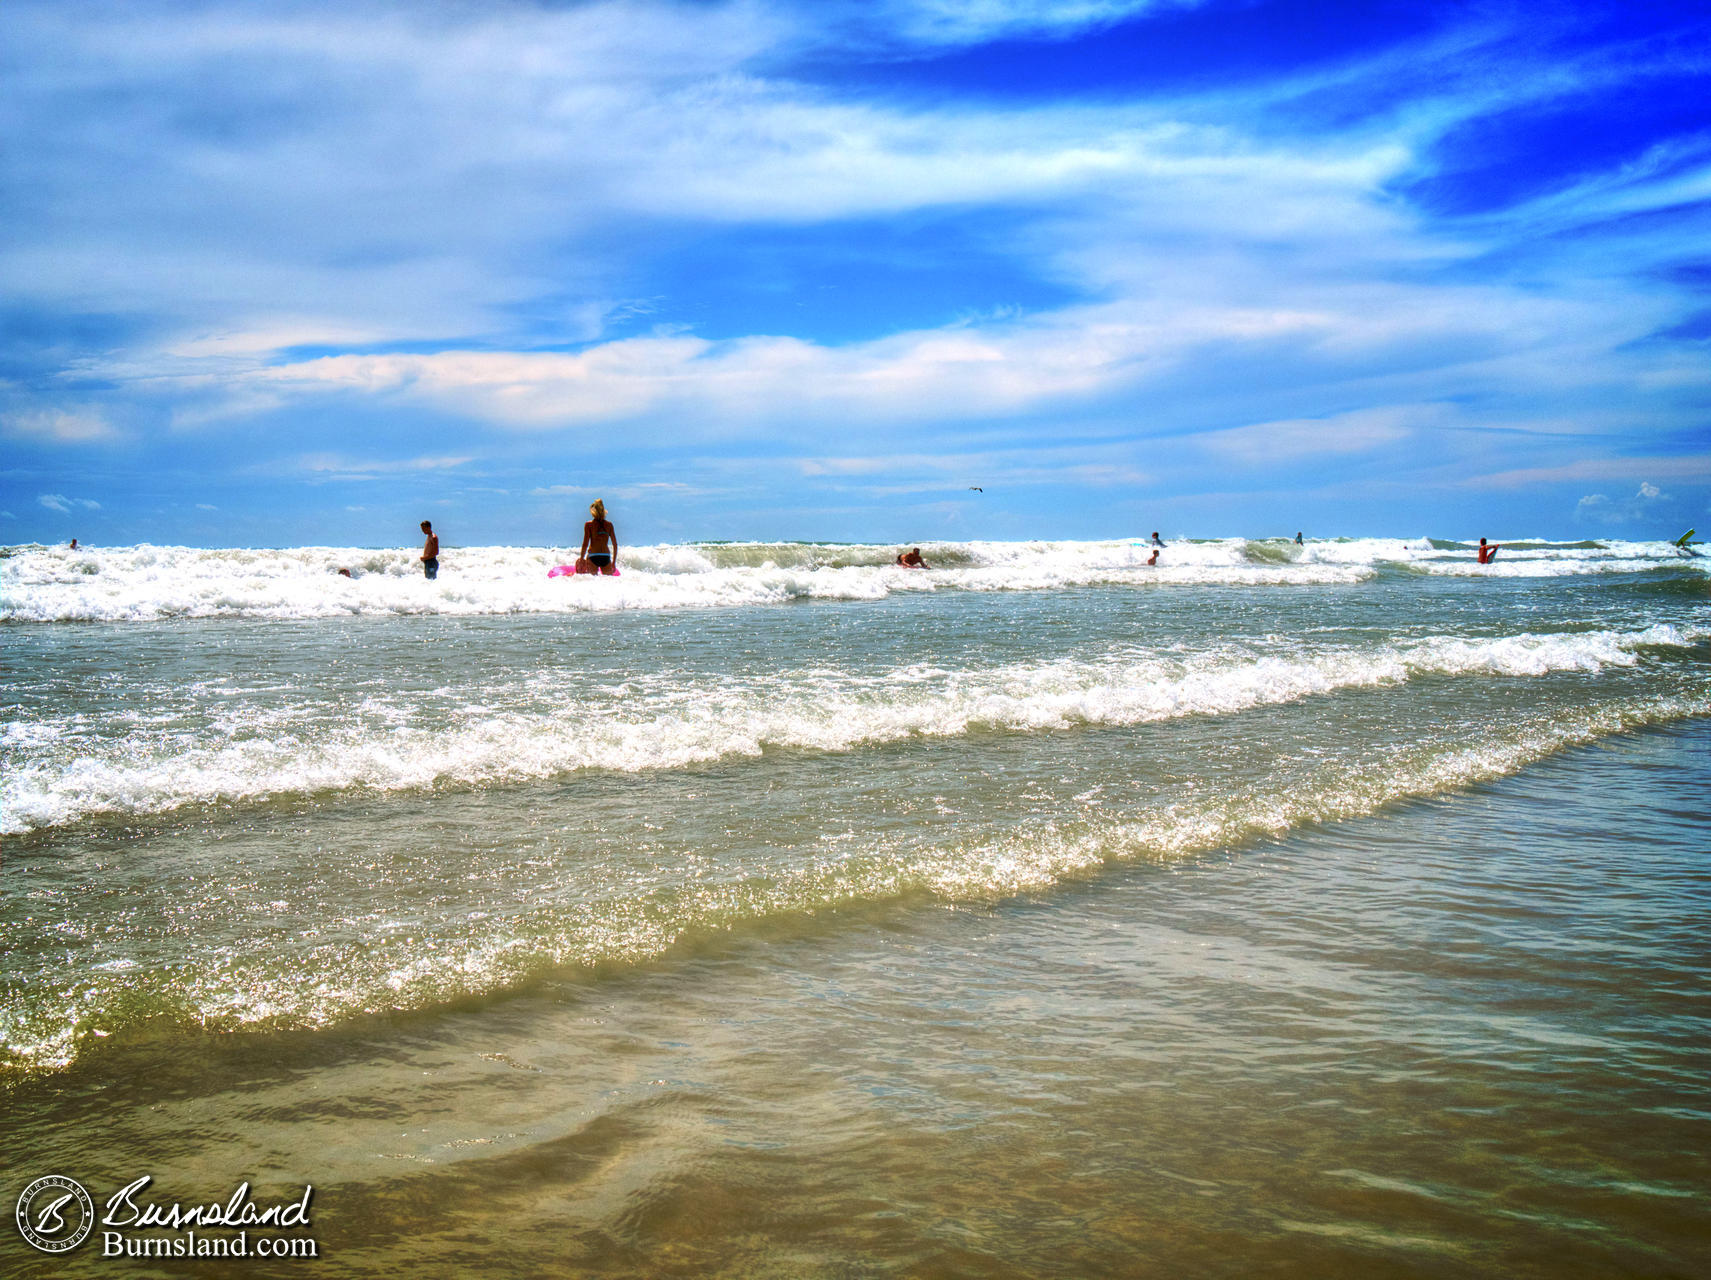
{"x":457,"y":956}
{"x":60,"y":771}
{"x":148,"y":583}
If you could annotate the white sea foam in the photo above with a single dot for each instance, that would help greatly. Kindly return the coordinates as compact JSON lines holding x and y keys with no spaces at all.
{"x":52,"y":584}
{"x":61,"y":771}
{"x":1517,"y":557}
{"x":442,"y":952}
{"x":144,"y":583}
{"x":1035,"y":859}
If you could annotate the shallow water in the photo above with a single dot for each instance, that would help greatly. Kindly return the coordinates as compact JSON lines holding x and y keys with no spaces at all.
{"x":1202,"y":927}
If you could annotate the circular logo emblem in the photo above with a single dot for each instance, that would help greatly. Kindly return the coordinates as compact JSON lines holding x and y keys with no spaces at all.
{"x":55,"y":1214}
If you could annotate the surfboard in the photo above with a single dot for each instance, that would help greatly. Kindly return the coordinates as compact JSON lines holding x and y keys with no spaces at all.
{"x":1685,"y":538}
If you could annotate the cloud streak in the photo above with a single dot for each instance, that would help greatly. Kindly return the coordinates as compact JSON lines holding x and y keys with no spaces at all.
{"x":67,"y":426}
{"x":64,"y":505}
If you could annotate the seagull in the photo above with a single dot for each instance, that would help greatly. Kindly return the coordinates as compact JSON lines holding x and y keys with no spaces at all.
{"x":974,"y":488}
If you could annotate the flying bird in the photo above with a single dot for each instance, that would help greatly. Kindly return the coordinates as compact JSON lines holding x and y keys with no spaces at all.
{"x":976,"y":488}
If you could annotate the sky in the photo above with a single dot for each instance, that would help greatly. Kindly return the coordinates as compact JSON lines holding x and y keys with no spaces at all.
{"x":867,"y":270}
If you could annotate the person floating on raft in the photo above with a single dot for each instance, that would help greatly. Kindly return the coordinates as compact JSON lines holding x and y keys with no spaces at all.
{"x":911,"y":559}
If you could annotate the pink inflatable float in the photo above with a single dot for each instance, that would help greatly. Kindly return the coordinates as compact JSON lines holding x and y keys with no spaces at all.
{"x":571,"y":570}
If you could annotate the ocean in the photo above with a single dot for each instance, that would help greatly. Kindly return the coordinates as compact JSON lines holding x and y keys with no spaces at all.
{"x":772,"y":910}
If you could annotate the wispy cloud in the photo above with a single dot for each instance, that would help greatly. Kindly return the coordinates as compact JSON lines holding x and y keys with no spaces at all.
{"x":963,"y":22}
{"x":63,"y":425}
{"x":646,"y":489}
{"x":996,"y":470}
{"x":1691,"y":466}
{"x":1599,"y":508}
{"x":1359,"y":431}
{"x":335,"y":464}
{"x":59,"y":502}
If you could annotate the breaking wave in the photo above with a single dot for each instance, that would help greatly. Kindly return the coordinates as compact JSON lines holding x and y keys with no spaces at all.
{"x":62,"y":770}
{"x":456,"y":955}
{"x":147,"y":583}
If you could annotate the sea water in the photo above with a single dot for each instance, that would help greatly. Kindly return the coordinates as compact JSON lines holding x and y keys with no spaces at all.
{"x":1335,"y":909}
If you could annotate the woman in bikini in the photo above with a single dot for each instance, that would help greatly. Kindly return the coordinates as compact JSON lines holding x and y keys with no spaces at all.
{"x":599,"y":540}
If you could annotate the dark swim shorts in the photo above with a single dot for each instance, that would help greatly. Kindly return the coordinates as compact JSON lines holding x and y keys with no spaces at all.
{"x":600,"y":559}
{"x":431,"y":568}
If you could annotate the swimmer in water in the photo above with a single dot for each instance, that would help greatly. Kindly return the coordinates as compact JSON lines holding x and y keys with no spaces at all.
{"x":599,"y":540}
{"x":1157,"y":541}
{"x":1298,"y":539}
{"x":1488,"y":553}
{"x":1152,"y":560}
{"x":911,"y":559}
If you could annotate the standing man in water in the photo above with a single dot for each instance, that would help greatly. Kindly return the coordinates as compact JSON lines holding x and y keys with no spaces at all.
{"x":599,"y":540}
{"x":430,"y":552}
{"x":1488,"y":554}
{"x":1157,"y":541}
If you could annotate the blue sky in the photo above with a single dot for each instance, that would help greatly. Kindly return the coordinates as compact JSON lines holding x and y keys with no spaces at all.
{"x":309,"y":273}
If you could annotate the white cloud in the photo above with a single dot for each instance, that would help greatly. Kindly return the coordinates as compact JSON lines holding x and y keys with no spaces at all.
{"x":975,"y":21}
{"x":333,"y":463}
{"x":59,"y":502}
{"x":1358,"y":431}
{"x":66,"y":426}
{"x":645,"y":489}
{"x":655,"y":489}
{"x":281,"y":332}
{"x":1599,"y":507}
{"x":1103,"y":465}
{"x":959,"y":372}
{"x":450,"y":167}
{"x":1243,"y":350}
{"x":1693,"y":466}
{"x":859,"y":466}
